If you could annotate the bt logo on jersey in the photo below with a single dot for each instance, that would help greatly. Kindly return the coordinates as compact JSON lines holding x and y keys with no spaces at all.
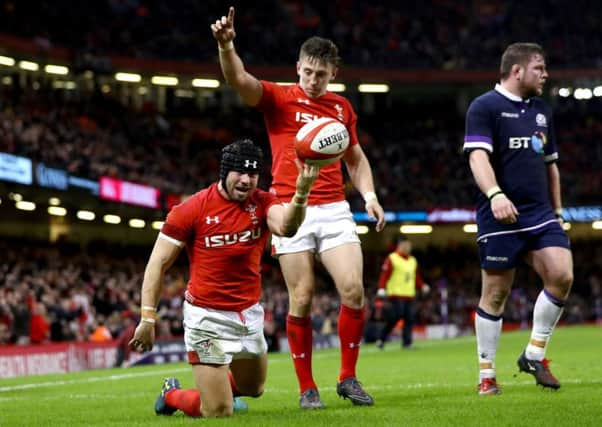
{"x":232,"y":238}
{"x":518,"y":142}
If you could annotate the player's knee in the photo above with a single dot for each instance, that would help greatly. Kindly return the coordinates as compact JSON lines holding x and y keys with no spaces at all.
{"x":496,"y":300}
{"x":352,"y":294}
{"x":563,"y":281}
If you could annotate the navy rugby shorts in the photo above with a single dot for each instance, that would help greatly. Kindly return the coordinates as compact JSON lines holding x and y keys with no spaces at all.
{"x":502,"y":251}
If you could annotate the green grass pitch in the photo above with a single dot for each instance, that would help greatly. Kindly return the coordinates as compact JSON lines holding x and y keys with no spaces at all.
{"x":432,"y":385}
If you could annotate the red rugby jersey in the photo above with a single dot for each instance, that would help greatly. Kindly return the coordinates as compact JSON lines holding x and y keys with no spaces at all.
{"x":286,"y":109}
{"x":224,"y":241}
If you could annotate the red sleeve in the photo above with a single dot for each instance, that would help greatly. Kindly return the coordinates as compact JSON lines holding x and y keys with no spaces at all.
{"x":385,"y":273}
{"x":181,"y":219}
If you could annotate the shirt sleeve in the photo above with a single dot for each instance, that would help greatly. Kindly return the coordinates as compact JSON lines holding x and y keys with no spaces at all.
{"x":181,"y":220}
{"x":479,"y":129}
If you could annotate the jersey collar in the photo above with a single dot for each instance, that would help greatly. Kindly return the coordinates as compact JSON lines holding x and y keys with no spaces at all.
{"x":512,"y":97}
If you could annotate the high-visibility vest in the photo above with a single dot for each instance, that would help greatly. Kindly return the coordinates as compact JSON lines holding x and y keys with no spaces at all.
{"x":402,"y":282}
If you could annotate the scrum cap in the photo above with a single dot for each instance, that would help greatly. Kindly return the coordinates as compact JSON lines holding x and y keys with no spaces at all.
{"x":240,"y":156}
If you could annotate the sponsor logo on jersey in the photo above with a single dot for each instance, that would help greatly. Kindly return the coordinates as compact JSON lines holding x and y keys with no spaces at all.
{"x":537,"y":142}
{"x":226,"y":239}
{"x":303,"y":101}
{"x":305,"y":117}
{"x":212,"y":219}
{"x":541,"y":120}
{"x":510,"y":115}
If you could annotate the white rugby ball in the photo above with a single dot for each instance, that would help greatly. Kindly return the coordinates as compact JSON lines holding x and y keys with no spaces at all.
{"x":321,"y":141}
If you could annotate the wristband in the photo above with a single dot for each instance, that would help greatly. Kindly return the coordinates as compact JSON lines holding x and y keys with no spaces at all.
{"x":558,"y":214}
{"x":148,"y":320}
{"x":229,"y":45}
{"x":148,"y":307}
{"x":148,"y":312}
{"x":496,"y":194}
{"x":369,"y":196}
{"x":493,"y":191}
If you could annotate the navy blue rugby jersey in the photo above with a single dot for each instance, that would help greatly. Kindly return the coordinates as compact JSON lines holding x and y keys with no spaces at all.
{"x":519,"y":137}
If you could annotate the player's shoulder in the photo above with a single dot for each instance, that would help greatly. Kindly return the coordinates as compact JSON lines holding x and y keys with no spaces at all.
{"x":263,"y":198}
{"x":540,"y":104}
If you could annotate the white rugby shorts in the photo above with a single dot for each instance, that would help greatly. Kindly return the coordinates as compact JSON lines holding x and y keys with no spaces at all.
{"x":218,"y":337}
{"x":325,"y":227}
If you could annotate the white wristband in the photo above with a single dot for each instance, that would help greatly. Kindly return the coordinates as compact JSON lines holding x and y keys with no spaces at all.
{"x":148,"y":320}
{"x":148,"y":307}
{"x":369,"y":196}
{"x":228,"y":46}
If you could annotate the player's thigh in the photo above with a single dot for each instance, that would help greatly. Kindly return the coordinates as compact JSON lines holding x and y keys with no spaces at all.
{"x":345,"y":265}
{"x":214,"y":386}
{"x":250,"y":375}
{"x":298,"y":271}
{"x":554,"y":265}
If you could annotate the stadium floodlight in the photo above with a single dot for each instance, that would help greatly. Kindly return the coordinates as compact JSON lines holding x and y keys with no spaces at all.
{"x":597,"y":225}
{"x":336,"y":87}
{"x":157,"y":225}
{"x":598,"y":91}
{"x":86,"y":215}
{"x":57,"y":210}
{"x":416,"y":229}
{"x":7,"y":61}
{"x":7,"y":80}
{"x":564,"y":92}
{"x":29,"y":66}
{"x":566,"y":226}
{"x":470,"y":228}
{"x":128,"y":77}
{"x":56,"y":69}
{"x":25,"y":206}
{"x":54,"y":201}
{"x":164,"y":80}
{"x":362,"y":229}
{"x":111,"y":219}
{"x":582,"y":93}
{"x":15,"y":196}
{"x":285,"y":83}
{"x":137,"y":223}
{"x":206,"y":83}
{"x":373,"y":88}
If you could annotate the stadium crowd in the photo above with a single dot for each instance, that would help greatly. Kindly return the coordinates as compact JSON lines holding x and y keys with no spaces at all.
{"x":62,"y":292}
{"x":95,"y":135}
{"x":438,"y":34}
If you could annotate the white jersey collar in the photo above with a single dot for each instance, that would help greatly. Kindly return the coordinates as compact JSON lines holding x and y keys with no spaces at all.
{"x":505,"y":92}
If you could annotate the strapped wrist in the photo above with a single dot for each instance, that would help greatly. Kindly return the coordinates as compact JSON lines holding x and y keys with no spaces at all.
{"x":493,"y":191}
{"x":148,"y":320}
{"x":370,"y":196}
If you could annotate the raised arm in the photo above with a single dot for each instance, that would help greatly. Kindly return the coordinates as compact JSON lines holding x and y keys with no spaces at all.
{"x":233,"y":69}
{"x":162,"y":257}
{"x":284,"y":220}
{"x":503,"y":209}
{"x":360,"y":173}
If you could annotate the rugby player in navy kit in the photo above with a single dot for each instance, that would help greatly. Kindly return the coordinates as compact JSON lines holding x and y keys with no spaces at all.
{"x":511,"y":148}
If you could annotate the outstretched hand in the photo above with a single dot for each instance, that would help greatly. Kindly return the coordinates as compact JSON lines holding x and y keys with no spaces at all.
{"x":307,"y":176}
{"x":223,"y":29}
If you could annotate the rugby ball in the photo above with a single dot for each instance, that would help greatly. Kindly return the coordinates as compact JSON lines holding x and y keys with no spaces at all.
{"x":321,"y":141}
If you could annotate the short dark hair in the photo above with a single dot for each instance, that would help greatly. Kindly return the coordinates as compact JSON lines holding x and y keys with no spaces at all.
{"x":518,"y":53}
{"x":321,"y":49}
